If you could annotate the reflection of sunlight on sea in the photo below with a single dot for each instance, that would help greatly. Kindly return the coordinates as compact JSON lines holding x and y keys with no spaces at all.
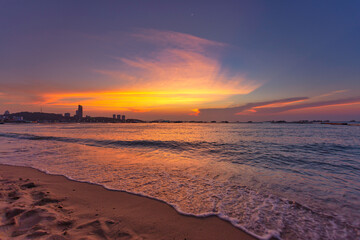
{"x":265,"y":178}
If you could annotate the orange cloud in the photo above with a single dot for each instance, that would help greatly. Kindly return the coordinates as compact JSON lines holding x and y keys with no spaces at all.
{"x":277,"y":104}
{"x":309,"y":105}
{"x":247,"y":108}
{"x":179,"y":73}
{"x":275,"y":107}
{"x":173,"y":71}
{"x":195,"y":112}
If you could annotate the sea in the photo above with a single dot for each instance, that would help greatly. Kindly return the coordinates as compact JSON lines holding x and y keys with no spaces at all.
{"x":290,"y":181}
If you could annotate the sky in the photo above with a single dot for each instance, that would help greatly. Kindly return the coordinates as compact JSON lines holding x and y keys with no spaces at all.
{"x":182,"y":60}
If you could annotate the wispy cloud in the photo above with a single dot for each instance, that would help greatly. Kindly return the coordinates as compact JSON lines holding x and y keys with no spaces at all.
{"x":179,"y":71}
{"x":250,"y":106}
{"x":170,"y":39}
{"x":13,"y":94}
{"x":183,"y":71}
{"x":182,"y":64}
{"x":337,"y":102}
{"x":167,"y":70}
{"x":332,"y":93}
{"x":276,"y":106}
{"x":70,"y":100}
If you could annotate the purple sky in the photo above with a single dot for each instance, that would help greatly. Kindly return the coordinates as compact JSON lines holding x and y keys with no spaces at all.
{"x":186,"y":60}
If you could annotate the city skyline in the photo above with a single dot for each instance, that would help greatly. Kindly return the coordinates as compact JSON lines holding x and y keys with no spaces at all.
{"x":233,"y":60}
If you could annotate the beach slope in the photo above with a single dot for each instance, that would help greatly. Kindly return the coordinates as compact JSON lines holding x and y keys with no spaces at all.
{"x":35,"y":205}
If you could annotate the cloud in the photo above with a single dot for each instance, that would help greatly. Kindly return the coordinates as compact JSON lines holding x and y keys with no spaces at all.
{"x":165,"y":70}
{"x":13,"y":94}
{"x":331,"y":93}
{"x":274,"y":107}
{"x":178,"y":64}
{"x":337,"y":102}
{"x":71,"y":100}
{"x":179,"y":71}
{"x":170,"y":39}
{"x":194,"y":112}
{"x":248,"y":107}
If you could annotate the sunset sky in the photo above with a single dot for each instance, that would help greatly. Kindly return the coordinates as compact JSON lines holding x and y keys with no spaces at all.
{"x":185,"y":60}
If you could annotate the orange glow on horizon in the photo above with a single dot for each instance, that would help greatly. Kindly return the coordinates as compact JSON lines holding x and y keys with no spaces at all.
{"x":141,"y":101}
{"x":178,"y":73}
{"x":195,"y":112}
{"x":185,"y":72}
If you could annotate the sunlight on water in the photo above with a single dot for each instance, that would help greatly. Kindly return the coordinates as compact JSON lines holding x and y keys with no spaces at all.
{"x":294,"y":181}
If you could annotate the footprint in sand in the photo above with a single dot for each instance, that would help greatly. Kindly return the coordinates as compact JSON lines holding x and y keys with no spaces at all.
{"x":29,"y":212}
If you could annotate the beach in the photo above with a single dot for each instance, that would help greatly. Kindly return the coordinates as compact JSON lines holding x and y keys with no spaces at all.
{"x":35,"y":205}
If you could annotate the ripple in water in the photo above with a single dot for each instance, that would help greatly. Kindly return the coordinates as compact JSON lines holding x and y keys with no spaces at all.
{"x":290,"y":181}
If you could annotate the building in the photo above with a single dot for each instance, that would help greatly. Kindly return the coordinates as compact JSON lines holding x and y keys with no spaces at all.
{"x":6,"y":113}
{"x":18,"y":118}
{"x":67,"y":115}
{"x":79,"y":112}
{"x":118,"y":117}
{"x":123,"y":118}
{"x":114,"y":116}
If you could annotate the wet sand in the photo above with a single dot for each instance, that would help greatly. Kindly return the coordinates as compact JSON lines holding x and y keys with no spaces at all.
{"x":35,"y":205}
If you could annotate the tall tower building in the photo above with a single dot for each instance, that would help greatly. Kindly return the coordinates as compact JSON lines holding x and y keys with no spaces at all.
{"x":79,"y":112}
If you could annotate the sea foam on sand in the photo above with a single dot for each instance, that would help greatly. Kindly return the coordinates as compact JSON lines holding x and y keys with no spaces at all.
{"x":35,"y":205}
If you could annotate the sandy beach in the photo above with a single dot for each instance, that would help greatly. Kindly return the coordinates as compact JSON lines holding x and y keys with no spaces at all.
{"x":35,"y":205}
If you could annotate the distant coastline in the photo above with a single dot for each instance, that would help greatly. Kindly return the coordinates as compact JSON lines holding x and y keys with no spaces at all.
{"x":40,"y":117}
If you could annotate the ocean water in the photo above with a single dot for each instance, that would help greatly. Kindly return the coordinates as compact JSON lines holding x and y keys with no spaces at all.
{"x":292,"y":181}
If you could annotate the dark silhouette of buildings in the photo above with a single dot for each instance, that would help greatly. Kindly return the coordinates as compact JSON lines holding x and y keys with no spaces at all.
{"x":79,"y":112}
{"x":119,"y":118}
{"x":40,"y":117}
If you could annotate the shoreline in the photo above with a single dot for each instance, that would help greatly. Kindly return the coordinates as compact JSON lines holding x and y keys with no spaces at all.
{"x":65,"y":209}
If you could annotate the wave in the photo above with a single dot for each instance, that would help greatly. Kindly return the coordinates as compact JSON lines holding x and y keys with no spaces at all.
{"x":267,"y":154}
{"x":175,"y":145}
{"x":248,"y":209}
{"x":213,"y":147}
{"x":289,"y":209}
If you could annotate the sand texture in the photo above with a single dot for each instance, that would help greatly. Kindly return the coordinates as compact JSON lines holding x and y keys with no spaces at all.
{"x":35,"y":205}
